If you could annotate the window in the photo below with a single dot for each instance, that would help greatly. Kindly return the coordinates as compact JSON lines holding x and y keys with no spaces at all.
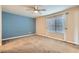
{"x":56,"y":24}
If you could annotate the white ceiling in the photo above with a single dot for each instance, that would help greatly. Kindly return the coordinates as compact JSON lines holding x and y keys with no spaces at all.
{"x":22,"y":9}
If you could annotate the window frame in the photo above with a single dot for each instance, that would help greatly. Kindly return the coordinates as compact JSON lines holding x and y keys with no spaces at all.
{"x":55,"y":31}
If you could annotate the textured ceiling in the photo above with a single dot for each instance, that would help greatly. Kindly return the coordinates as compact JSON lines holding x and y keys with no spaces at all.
{"x":23,"y":9}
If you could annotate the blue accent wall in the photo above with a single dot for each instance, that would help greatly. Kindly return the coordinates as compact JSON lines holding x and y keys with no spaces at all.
{"x":16,"y":25}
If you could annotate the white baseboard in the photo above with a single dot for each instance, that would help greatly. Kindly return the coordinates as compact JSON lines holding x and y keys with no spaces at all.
{"x":60,"y":40}
{"x":18,"y":37}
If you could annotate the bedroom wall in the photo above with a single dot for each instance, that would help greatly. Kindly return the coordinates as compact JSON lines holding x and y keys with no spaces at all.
{"x":71,"y":34}
{"x":0,"y":25}
{"x":16,"y":25}
{"x":41,"y":29}
{"x":71,"y":25}
{"x":76,"y":25}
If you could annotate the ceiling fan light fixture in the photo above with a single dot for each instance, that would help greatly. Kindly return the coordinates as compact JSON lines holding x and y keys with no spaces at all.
{"x":35,"y":11}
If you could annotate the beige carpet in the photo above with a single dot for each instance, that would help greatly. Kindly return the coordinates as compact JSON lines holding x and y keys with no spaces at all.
{"x":37,"y":44}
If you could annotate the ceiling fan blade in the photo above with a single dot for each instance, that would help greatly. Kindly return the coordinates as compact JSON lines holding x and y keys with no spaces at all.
{"x":39,"y":12}
{"x":42,"y":10}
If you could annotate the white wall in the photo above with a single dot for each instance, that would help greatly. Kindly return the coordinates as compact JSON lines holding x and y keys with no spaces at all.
{"x":41,"y":29}
{"x":76,"y":32}
{"x":0,"y":25}
{"x":72,"y":25}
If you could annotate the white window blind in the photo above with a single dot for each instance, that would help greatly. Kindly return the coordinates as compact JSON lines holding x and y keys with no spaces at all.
{"x":56,"y":24}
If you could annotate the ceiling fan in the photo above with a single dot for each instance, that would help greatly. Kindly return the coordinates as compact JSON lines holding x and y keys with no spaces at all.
{"x":35,"y":8}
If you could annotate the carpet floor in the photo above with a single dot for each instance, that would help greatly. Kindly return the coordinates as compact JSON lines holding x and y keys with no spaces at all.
{"x":37,"y":44}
